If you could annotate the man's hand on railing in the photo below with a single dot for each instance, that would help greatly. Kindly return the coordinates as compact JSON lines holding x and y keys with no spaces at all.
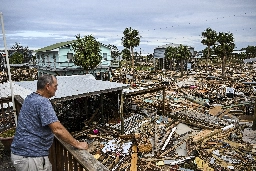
{"x":82,"y":145}
{"x":61,"y":132}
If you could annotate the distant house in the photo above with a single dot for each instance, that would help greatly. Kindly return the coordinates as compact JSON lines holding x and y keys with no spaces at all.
{"x":160,"y":50}
{"x":57,"y":59}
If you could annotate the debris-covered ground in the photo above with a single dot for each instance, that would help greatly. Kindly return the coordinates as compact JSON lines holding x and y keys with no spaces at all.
{"x":205,"y":123}
{"x":5,"y":160}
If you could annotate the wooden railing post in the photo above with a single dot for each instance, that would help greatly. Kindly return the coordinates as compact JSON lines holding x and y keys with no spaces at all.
{"x":18,"y":101}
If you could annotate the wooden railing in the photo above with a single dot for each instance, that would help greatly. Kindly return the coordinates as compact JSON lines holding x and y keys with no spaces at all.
{"x":7,"y":119}
{"x":64,"y":157}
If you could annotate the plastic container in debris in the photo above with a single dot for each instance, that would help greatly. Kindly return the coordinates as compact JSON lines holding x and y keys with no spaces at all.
{"x":192,"y":87}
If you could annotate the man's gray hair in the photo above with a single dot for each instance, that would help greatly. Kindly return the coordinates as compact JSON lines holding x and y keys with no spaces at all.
{"x":43,"y":80}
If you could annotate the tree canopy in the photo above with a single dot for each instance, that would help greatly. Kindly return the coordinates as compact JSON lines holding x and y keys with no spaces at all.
{"x":170,"y":54}
{"x":115,"y":53}
{"x":224,"y":48}
{"x":87,"y":52}
{"x":250,"y":51}
{"x":183,"y":54}
{"x":130,"y":40}
{"x":210,"y":38}
{"x":19,"y":54}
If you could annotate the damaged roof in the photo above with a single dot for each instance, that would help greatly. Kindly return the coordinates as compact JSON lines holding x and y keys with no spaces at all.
{"x":69,"y":87}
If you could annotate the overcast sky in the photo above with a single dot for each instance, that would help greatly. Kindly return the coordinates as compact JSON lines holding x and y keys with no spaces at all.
{"x":37,"y":24}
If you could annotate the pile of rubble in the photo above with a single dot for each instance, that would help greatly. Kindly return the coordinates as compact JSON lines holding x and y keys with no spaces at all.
{"x":19,"y":74}
{"x":156,"y":142}
{"x":206,"y":124}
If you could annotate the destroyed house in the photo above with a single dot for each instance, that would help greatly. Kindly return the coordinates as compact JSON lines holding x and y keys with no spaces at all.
{"x":160,"y":50}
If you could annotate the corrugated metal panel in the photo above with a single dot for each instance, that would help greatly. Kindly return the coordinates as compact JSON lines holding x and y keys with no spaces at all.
{"x":55,"y":46}
{"x":69,"y":87}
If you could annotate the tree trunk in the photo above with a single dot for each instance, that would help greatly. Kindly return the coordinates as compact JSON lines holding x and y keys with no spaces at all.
{"x":181,"y":69}
{"x":132,"y":58}
{"x":208,"y":55}
{"x":254,"y":117}
{"x":223,"y":66}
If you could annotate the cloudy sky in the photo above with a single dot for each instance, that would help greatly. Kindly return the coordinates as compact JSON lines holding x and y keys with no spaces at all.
{"x":37,"y":24}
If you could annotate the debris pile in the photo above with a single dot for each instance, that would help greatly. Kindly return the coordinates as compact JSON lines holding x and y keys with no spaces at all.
{"x":202,"y":127}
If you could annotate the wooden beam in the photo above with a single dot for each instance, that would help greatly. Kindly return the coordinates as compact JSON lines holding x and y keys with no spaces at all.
{"x":121,"y":111}
{"x":134,"y":158}
{"x":163,"y":102}
{"x":101,"y":109}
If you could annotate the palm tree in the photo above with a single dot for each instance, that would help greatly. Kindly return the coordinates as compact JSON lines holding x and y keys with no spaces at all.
{"x":183,"y":54}
{"x":130,"y":40}
{"x":170,"y":53}
{"x":126,"y":55}
{"x":224,"y":48}
{"x":210,"y":39}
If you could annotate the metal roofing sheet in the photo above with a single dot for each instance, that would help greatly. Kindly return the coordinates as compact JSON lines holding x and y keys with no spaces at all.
{"x":69,"y":87}
{"x":55,"y":46}
{"x":60,"y":44}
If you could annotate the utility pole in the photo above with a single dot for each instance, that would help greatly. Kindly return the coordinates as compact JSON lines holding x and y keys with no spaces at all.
{"x":8,"y":66}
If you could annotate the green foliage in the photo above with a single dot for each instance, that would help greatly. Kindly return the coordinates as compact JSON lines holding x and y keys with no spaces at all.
{"x":208,"y":50}
{"x":19,"y":54}
{"x":224,"y":48}
{"x":241,"y":56}
{"x":8,"y":133}
{"x":250,"y":51}
{"x":170,"y":54}
{"x":126,"y":54}
{"x":115,"y":53}
{"x":16,"y":58}
{"x":87,"y":52}
{"x":180,"y":53}
{"x":183,"y":54}
{"x":130,"y":40}
{"x":150,"y":57}
{"x":210,"y":39}
{"x":225,"y":44}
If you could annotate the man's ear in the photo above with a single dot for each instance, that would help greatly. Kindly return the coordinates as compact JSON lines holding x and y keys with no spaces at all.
{"x":47,"y":86}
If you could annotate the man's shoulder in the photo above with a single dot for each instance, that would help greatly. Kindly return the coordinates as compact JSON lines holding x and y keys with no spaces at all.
{"x":35,"y":96}
{"x":36,"y":99}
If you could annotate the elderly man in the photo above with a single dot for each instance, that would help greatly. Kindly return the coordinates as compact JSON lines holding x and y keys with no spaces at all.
{"x":36,"y":127}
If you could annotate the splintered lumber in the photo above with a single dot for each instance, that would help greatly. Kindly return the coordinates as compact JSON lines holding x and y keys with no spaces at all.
{"x":168,"y":139}
{"x":208,"y":133}
{"x":134,"y":159}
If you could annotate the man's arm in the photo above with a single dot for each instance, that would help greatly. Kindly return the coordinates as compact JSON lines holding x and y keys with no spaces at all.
{"x":61,"y":132}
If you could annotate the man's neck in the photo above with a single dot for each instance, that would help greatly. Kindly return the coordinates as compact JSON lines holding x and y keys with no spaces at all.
{"x":42,"y":93}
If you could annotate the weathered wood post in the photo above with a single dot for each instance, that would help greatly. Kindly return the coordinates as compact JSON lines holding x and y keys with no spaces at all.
{"x":101,"y":109}
{"x":254,"y":117}
{"x":163,"y":102}
{"x":121,"y":102}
